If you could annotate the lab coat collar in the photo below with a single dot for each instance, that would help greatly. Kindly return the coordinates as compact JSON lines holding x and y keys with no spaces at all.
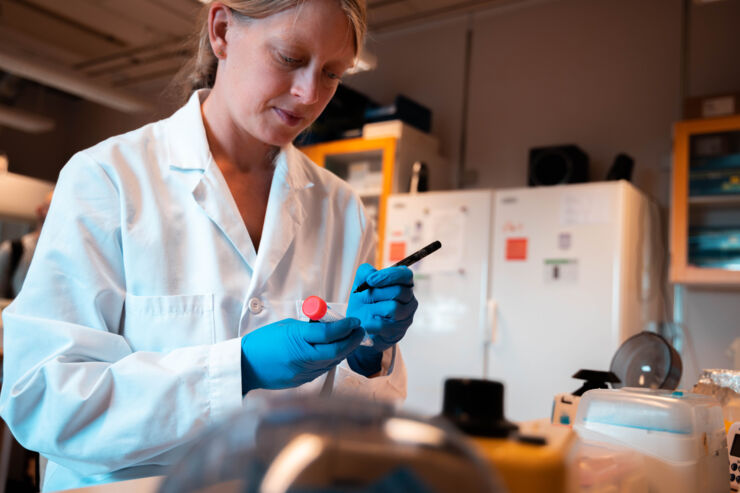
{"x":187,"y":146}
{"x":188,"y":151}
{"x":284,"y":215}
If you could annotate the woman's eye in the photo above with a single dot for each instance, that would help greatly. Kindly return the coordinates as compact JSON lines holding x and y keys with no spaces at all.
{"x":289,"y":60}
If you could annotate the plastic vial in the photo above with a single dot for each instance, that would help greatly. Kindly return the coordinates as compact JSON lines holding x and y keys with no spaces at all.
{"x":317,"y":310}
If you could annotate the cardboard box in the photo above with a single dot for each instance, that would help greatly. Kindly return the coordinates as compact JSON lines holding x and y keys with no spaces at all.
{"x":712,"y":106}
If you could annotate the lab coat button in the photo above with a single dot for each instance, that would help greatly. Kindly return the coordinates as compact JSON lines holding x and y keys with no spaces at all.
{"x":255,"y":305}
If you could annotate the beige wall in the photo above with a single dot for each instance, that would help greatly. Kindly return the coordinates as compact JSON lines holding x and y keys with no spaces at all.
{"x":427,"y":65}
{"x":714,"y":48}
{"x":79,"y":124}
{"x":604,"y":75}
{"x":39,"y":155}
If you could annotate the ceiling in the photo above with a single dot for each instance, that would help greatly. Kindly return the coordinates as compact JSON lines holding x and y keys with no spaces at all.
{"x":133,"y":47}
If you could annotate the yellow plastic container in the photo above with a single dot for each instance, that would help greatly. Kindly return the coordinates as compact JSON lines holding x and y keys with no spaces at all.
{"x":532,"y":467}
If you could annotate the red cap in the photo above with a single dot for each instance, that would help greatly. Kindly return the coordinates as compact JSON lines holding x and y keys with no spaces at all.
{"x":314,"y":307}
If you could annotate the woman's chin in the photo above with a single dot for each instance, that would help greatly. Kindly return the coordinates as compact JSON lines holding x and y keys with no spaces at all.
{"x":279,"y":139}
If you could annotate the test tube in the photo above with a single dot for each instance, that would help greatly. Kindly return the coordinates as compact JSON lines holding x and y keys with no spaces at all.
{"x":317,"y":310}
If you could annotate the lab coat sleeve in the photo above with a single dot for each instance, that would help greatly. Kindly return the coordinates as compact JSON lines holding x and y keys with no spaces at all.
{"x":390,"y":383}
{"x":74,"y":390}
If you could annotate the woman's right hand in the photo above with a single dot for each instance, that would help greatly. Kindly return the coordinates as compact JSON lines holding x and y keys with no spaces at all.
{"x":290,"y":352}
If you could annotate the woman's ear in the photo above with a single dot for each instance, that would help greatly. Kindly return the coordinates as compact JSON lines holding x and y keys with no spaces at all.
{"x":219,"y":18}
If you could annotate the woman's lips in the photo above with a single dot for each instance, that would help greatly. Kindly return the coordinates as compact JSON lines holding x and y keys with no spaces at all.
{"x":289,"y":118}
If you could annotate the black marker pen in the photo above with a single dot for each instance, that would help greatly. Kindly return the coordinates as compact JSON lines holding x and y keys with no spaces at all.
{"x":411,"y":259}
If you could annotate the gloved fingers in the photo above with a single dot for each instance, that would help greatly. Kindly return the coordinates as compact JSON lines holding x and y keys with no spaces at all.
{"x":381,"y":326}
{"x":397,"y":292}
{"x":390,"y":276}
{"x":393,"y":331}
{"x":322,"y":333}
{"x":338,"y":350}
{"x":363,"y":271}
{"x":388,"y":311}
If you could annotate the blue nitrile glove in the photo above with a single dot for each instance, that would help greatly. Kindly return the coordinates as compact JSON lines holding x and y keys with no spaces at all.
{"x":289,"y":353}
{"x":385,"y":311}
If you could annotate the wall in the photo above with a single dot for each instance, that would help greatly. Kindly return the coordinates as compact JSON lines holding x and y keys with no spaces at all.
{"x":598,"y":74}
{"x":95,"y":123}
{"x":603,"y":75}
{"x":711,"y":325}
{"x":79,"y":124}
{"x":39,"y":155}
{"x":714,"y":48}
{"x":427,"y":65}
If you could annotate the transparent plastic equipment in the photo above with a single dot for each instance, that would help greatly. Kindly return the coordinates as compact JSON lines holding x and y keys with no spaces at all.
{"x":310,"y":444}
{"x":317,"y":310}
{"x":680,"y":435}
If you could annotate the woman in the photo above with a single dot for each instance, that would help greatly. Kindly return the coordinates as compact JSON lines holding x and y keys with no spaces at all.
{"x":168,"y":278}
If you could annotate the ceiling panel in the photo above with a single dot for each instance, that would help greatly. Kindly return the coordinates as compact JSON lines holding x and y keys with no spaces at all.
{"x":387,"y":15}
{"x":46,"y":27}
{"x":16,"y":40}
{"x":96,"y":16}
{"x":137,"y":45}
{"x":166,"y":17}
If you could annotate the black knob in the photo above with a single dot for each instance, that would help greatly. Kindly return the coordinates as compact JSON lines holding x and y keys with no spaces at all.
{"x":476,"y":407}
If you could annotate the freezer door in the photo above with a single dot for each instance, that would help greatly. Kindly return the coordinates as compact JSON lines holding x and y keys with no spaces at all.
{"x":447,"y":338}
{"x":558,"y":270}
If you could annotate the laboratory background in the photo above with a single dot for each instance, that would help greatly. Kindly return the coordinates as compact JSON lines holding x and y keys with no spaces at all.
{"x":578,"y":160}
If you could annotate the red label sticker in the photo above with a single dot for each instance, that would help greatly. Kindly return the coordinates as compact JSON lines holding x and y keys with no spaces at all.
{"x":397,"y":251}
{"x":516,"y":249}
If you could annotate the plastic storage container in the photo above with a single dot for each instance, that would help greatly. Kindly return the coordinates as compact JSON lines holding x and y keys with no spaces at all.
{"x":681,"y":435}
{"x":608,"y":468}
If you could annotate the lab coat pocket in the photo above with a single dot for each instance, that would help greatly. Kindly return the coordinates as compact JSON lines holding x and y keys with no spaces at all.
{"x":164,"y":323}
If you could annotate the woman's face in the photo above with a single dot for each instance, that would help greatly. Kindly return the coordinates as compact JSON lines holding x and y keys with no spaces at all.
{"x":280,"y":72}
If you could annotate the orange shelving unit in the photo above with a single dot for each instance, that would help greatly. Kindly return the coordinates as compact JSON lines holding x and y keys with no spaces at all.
{"x":694,"y":140}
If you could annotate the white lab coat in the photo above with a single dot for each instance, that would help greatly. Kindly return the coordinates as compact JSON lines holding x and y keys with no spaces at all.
{"x":125,"y":340}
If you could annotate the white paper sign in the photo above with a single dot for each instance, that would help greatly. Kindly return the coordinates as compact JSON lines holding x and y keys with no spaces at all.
{"x":590,"y":207}
{"x":447,"y":226}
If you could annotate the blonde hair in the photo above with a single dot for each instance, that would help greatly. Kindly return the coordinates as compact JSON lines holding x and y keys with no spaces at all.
{"x":200,"y":71}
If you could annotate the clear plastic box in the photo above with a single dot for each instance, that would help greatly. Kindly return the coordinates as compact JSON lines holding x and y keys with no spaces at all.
{"x":609,"y":468}
{"x":681,"y":435}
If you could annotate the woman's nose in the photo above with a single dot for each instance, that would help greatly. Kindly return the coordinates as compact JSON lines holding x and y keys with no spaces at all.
{"x":306,"y":87}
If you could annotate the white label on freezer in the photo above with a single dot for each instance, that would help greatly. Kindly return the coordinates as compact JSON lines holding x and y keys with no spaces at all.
{"x":447,"y":226}
{"x":561,"y":271}
{"x":585,"y":207}
{"x":564,"y":241}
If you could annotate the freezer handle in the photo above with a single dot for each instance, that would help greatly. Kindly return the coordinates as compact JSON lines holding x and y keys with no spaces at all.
{"x":492,"y":319}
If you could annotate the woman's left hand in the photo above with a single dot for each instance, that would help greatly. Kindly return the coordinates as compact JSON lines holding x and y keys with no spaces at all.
{"x":385,"y":310}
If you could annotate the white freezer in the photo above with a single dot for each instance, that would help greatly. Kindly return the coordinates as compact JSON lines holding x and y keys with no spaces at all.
{"x":450,"y":284}
{"x":530,"y":285}
{"x":584,"y":284}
